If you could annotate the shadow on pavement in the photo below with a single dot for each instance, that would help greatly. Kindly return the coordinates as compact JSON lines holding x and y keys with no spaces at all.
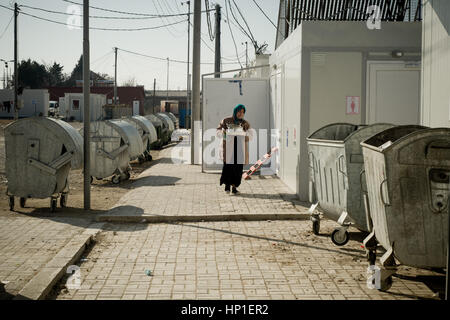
{"x":3,"y":294}
{"x":154,"y":181}
{"x":361,"y":255}
{"x":81,"y":218}
{"x":435,"y":283}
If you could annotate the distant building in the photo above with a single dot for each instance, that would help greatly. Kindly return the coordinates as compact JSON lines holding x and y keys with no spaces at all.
{"x":133,"y":97}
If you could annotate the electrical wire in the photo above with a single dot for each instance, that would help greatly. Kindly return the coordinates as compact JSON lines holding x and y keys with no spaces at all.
{"x":256,"y":3}
{"x":232,"y":36}
{"x":177,"y":35}
{"x":165,"y":59}
{"x":117,"y":11}
{"x":101,"y":58}
{"x":9,"y":23}
{"x":95,"y":28}
{"x":100,"y":17}
{"x":245,"y":21}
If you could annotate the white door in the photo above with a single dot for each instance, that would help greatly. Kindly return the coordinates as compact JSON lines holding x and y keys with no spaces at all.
{"x":393,"y":92}
{"x":135,"y":108}
{"x":220,"y":96}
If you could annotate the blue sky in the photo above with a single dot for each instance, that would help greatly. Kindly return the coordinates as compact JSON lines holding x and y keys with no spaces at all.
{"x":48,"y":42}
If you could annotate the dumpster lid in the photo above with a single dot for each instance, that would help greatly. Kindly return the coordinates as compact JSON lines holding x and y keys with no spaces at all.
{"x":155,"y":120}
{"x":147,"y":126}
{"x":335,"y":132}
{"x":130,"y":135}
{"x":388,"y":137}
{"x":171,"y":116}
{"x":165,"y":118}
{"x":69,"y":136}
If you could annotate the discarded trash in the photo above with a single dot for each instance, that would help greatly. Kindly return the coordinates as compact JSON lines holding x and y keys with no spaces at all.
{"x":4,"y":282}
{"x":84,"y":260}
{"x":148,"y":272}
{"x":143,"y":220}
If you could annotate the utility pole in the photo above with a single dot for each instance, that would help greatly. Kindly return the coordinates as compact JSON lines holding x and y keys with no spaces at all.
{"x":217,"y":51}
{"x":86,"y":107}
{"x":196,"y":76}
{"x":154,"y":94}
{"x":167,"y":79}
{"x":16,"y":75}
{"x":188,"y":56}
{"x":115,"y":76}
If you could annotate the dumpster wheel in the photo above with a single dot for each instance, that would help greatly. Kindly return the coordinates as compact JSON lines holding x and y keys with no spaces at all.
{"x":11,"y":203}
{"x":53,"y":203}
{"x":371,"y":257}
{"x":148,"y":157}
{"x":386,"y":284}
{"x":115,"y":179}
{"x":340,"y":238}
{"x":316,"y":226}
{"x":63,"y":200}
{"x":22,"y":202}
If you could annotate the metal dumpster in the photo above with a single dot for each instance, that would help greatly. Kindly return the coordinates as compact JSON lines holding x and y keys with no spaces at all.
{"x":147,"y":133}
{"x":336,"y":162}
{"x":39,"y":155}
{"x":160,"y":130}
{"x":168,"y":124}
{"x":174,"y":119}
{"x":408,"y":174}
{"x":113,"y":144}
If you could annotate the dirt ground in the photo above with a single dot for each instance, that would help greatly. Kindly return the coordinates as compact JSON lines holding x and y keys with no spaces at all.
{"x":104,"y":194}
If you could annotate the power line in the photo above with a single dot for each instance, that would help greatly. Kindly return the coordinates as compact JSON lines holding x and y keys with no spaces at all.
{"x":250,"y":36}
{"x":245,"y":21}
{"x":177,"y":35}
{"x":9,"y":23}
{"x":165,"y":59}
{"x":156,"y":16}
{"x":102,"y":57}
{"x":117,"y":11}
{"x":231,"y":32}
{"x":256,"y":3}
{"x":258,"y":49}
{"x":94,"y":28}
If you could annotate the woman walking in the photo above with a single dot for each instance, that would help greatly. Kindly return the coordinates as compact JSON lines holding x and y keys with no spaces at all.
{"x":232,"y":171}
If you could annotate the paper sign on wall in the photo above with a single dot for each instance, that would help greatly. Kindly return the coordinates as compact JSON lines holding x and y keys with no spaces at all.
{"x":353,"y":105}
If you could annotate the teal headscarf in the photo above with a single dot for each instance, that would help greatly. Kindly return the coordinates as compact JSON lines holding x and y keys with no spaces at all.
{"x":238,"y":108}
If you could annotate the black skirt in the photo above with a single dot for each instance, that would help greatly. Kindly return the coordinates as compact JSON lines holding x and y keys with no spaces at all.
{"x":232,"y":173}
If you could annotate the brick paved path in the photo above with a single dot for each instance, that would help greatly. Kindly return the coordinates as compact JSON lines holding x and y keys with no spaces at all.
{"x":232,"y":260}
{"x":27,"y":244}
{"x":168,"y":189}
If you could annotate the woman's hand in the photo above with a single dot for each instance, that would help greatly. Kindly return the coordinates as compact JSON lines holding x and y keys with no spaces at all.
{"x":246,"y":126}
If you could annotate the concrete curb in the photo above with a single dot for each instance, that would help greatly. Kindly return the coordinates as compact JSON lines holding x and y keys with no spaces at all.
{"x":42,"y":283}
{"x":202,"y":218}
